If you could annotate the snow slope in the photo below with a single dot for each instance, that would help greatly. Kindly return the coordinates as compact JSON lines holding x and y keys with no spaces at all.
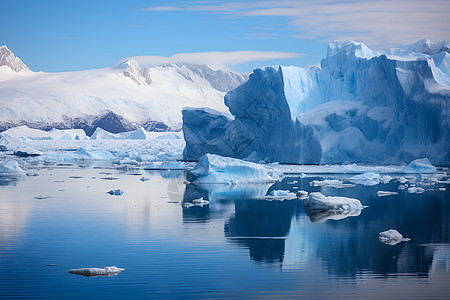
{"x":362,"y":106}
{"x":119,"y":98}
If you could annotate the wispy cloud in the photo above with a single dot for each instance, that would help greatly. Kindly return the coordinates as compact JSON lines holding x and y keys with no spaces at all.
{"x":214,"y":59}
{"x":382,"y":23}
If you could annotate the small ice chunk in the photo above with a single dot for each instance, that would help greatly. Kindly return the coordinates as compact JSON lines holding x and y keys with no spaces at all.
{"x":402,"y":180}
{"x":443,"y":189}
{"x":385,"y":193}
{"x":415,"y":190}
{"x":385,"y":179}
{"x":200,"y":202}
{"x":319,"y":202}
{"x":302,"y":194}
{"x":391,"y":237}
{"x":292,"y":182}
{"x":94,"y":272}
{"x":188,"y":204}
{"x":367,"y":179}
{"x":196,"y":202}
{"x":422,"y":165}
{"x":118,"y":192}
{"x":402,"y":186}
{"x":42,"y":197}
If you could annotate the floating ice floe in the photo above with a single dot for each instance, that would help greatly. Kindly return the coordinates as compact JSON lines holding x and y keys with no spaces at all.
{"x":117,"y":192}
{"x":391,"y":237}
{"x":402,"y":180}
{"x":415,"y":190}
{"x":280,"y":195}
{"x":11,"y":170}
{"x":386,"y":193}
{"x":318,"y":202}
{"x":335,"y":183}
{"x":196,"y":202}
{"x":386,"y":179}
{"x":367,"y":179}
{"x":218,"y":169}
{"x":26,"y":152}
{"x":96,"y":272}
{"x":442,"y":189}
{"x":422,"y":165}
{"x":42,"y":197}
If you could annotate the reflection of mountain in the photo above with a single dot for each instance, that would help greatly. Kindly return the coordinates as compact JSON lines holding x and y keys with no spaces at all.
{"x":261,"y":226}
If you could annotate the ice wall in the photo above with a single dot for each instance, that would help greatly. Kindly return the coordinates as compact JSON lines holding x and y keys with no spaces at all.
{"x":362,"y":106}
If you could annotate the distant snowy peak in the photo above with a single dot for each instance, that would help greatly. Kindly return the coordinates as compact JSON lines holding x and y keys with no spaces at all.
{"x":135,"y":72}
{"x":428,"y":47}
{"x":8,"y":59}
{"x":220,"y":80}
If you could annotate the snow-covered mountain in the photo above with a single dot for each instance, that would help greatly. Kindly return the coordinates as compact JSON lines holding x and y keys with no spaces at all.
{"x":362,"y":106}
{"x":118,"y":98}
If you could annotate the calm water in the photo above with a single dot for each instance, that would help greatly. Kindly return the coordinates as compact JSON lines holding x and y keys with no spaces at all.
{"x":233,"y":248}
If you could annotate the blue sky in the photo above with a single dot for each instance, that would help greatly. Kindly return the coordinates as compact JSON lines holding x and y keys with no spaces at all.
{"x":76,"y":35}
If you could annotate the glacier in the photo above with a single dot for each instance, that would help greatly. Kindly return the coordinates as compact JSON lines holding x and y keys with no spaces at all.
{"x":361,"y":106}
{"x":124,"y":97}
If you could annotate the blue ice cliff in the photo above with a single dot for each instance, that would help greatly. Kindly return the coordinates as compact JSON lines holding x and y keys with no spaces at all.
{"x":361,"y":106}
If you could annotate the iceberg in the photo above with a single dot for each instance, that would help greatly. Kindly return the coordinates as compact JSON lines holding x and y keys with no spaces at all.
{"x":362,"y":106}
{"x":319,"y":202}
{"x":95,"y":272}
{"x":392,"y":237}
{"x":11,"y":170}
{"x":367,"y":179}
{"x":218,"y":169}
{"x":422,"y":165}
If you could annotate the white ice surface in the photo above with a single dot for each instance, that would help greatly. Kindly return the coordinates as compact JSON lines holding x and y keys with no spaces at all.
{"x":218,"y":169}
{"x":385,"y":193}
{"x":93,"y":272}
{"x":392,"y":237}
{"x":319,"y":202}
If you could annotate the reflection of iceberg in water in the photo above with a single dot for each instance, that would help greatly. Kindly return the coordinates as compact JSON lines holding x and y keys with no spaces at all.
{"x":322,"y":216}
{"x":262,"y":226}
{"x":219,"y":195}
{"x":217,"y":192}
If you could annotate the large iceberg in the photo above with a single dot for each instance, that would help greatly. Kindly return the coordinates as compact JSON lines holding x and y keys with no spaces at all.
{"x":362,"y":106}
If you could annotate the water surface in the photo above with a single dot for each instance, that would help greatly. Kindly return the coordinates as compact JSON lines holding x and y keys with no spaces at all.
{"x":235,"y":247}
